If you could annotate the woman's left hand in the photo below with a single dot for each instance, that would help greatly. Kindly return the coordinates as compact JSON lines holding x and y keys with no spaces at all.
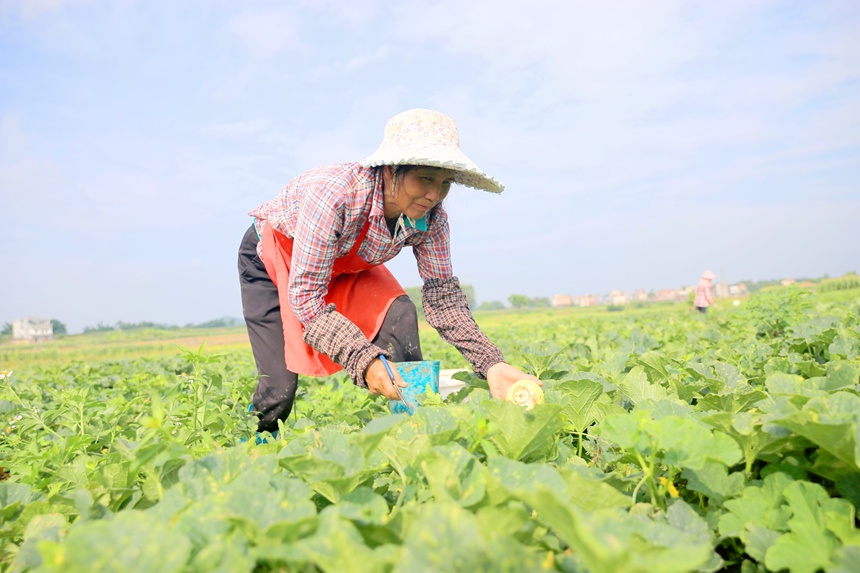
{"x":502,"y":376}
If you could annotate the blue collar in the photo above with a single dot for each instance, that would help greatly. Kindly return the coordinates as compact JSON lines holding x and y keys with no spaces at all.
{"x":419,"y":224}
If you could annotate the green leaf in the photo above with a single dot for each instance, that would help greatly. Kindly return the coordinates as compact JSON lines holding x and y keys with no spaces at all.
{"x":132,"y":542}
{"x":714,"y":481}
{"x":515,"y":476}
{"x":780,"y":383}
{"x":679,"y":442}
{"x":729,"y":375}
{"x":46,"y":527}
{"x":591,"y":494}
{"x":655,"y":364}
{"x":611,"y":540}
{"x":527,"y":435}
{"x":844,"y":346}
{"x":846,"y":560}
{"x":362,"y":506}
{"x":330,"y":462}
{"x":830,"y":422}
{"x":336,"y":547}
{"x":445,"y":537}
{"x":760,"y":504}
{"x":13,"y":497}
{"x":637,"y":388}
{"x":690,"y":444}
{"x":758,"y":539}
{"x":579,"y":399}
{"x":841,"y":375}
{"x":733,"y":402}
{"x":223,"y":555}
{"x":806,"y":549}
{"x":454,"y":475}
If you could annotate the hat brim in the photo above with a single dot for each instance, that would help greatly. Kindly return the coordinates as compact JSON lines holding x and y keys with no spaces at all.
{"x":468,"y":173}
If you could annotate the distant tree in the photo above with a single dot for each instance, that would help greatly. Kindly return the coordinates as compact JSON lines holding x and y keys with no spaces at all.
{"x":519,"y":301}
{"x":7,"y":329}
{"x":223,"y":322}
{"x":414,"y":294}
{"x":100,"y":327}
{"x":541,"y":302}
{"x":491,"y":305}
{"x":469,"y":291}
{"x":145,"y":324}
{"x":59,"y":327}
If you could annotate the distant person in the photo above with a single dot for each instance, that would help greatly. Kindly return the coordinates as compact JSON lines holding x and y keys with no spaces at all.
{"x":315,"y":294}
{"x":704,"y":298}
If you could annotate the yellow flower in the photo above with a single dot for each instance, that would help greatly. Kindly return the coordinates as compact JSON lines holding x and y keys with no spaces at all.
{"x":670,"y":487}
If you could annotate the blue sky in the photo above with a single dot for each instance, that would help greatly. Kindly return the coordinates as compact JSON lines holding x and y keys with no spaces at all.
{"x":640,"y":143}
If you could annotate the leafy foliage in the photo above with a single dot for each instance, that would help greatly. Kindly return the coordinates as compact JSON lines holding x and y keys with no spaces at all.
{"x":669,"y":442}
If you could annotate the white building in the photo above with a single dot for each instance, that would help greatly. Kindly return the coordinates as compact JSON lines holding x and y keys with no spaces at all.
{"x":562,"y":300}
{"x":34,"y":329}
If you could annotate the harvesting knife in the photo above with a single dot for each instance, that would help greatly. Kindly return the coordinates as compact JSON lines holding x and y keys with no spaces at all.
{"x":394,"y":383}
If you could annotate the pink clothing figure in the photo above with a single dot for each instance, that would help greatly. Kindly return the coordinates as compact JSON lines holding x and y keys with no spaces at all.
{"x":704,"y":298}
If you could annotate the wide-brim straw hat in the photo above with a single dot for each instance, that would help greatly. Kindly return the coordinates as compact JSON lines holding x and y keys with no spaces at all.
{"x":709,"y":275}
{"x":427,"y":137}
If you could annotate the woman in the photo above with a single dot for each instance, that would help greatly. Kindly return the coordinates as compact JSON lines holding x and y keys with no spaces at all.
{"x":704,"y":298}
{"x":315,"y":293}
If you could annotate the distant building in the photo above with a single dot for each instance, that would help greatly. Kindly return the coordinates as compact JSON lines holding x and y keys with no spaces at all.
{"x":584,"y":300}
{"x":34,"y":329}
{"x":721,"y":290}
{"x":562,"y":300}
{"x":683,"y":293}
{"x":664,"y":294}
{"x":617,"y":297}
{"x":787,"y":282}
{"x":640,"y":295}
{"x":739,"y":289}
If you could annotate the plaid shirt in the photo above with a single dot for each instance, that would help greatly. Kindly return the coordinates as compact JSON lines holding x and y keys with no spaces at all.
{"x":703,"y":294}
{"x":324,"y":211}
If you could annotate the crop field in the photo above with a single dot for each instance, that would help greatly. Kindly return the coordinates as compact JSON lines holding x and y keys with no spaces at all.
{"x":669,"y":441}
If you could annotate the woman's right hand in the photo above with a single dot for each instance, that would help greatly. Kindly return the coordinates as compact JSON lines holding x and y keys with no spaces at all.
{"x":378,"y":381}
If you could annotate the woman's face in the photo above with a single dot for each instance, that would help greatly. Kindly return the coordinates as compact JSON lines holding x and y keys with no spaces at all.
{"x":418,"y":191}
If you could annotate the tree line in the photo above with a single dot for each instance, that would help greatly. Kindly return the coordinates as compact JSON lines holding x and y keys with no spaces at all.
{"x":59,"y":328}
{"x":515,"y":300}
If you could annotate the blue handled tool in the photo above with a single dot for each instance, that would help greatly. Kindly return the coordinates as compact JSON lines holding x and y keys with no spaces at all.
{"x":388,"y":369}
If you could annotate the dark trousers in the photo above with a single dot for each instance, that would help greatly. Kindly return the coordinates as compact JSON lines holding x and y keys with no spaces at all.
{"x":276,"y":389}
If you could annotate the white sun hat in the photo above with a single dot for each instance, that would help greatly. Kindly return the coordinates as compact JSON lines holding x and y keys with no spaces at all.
{"x":709,"y":275}
{"x":427,"y":137}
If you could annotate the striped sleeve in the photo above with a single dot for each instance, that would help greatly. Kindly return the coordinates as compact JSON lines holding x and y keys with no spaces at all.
{"x":319,"y":223}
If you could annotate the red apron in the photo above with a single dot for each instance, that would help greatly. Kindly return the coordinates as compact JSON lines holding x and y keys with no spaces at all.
{"x":362,"y":292}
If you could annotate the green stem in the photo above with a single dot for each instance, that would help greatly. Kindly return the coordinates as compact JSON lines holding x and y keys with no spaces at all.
{"x":399,"y":503}
{"x":638,"y":486}
{"x":648,"y":468}
{"x":81,"y":413}
{"x":749,"y":456}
